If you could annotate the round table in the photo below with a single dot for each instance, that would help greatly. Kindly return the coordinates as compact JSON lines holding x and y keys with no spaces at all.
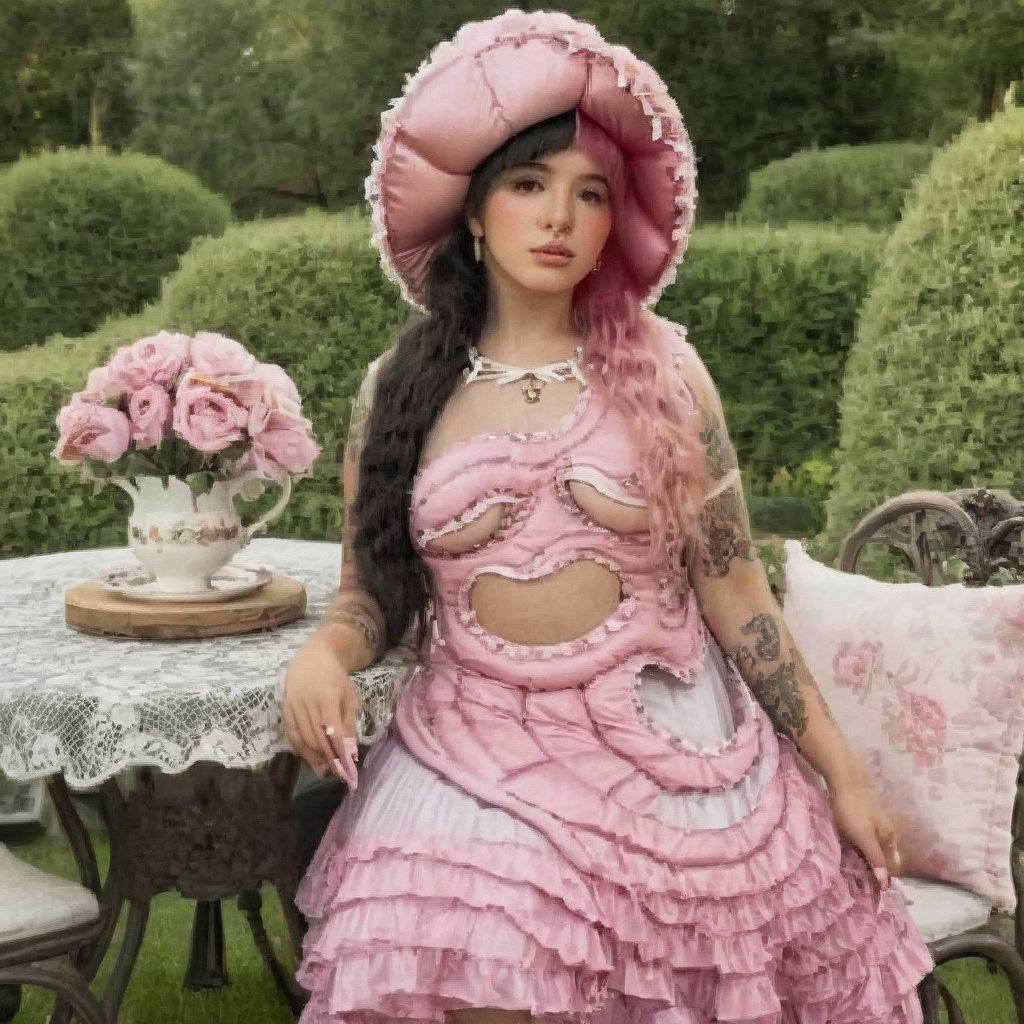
{"x":189,"y":714}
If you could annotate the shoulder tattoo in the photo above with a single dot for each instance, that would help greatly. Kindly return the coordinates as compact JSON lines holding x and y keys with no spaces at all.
{"x":724,"y":530}
{"x":721,"y":458}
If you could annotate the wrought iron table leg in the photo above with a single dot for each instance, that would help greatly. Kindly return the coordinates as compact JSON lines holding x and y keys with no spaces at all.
{"x":207,"y":962}
{"x":210,"y":833}
{"x":250,"y":903}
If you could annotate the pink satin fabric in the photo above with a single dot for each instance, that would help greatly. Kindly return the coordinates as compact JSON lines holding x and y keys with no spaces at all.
{"x":584,"y":902}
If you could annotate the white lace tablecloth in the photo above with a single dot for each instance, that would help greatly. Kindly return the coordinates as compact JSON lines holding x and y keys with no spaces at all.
{"x":91,"y":706}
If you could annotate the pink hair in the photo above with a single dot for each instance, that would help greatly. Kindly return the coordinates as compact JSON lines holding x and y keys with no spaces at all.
{"x":635,"y":367}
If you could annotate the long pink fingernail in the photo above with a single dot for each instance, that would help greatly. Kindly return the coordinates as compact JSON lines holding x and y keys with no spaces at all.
{"x":883,"y":877}
{"x":349,"y":747}
{"x":344,"y":774}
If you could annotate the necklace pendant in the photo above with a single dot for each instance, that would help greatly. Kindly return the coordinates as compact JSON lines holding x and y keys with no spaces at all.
{"x":531,"y":389}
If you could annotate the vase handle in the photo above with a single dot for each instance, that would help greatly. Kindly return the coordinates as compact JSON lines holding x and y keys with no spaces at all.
{"x":248,"y":532}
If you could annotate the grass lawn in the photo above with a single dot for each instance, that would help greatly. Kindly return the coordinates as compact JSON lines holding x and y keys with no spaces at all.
{"x":156,"y":996}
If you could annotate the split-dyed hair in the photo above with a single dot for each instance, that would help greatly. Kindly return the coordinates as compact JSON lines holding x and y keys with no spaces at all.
{"x":627,"y":359}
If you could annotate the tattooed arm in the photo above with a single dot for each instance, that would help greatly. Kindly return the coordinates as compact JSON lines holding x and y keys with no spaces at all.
{"x":319,"y":696}
{"x":740,"y":610}
{"x":353,"y":623}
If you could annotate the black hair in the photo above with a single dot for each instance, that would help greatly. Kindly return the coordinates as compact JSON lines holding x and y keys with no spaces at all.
{"x":415,"y":381}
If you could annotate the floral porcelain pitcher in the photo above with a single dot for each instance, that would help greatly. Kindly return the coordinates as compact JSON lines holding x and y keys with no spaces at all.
{"x":181,"y":539}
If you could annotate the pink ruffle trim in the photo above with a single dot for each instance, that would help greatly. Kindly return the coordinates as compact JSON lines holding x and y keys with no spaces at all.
{"x":493,"y":924}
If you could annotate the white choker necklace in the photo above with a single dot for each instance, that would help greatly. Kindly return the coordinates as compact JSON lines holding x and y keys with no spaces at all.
{"x":533,"y":377}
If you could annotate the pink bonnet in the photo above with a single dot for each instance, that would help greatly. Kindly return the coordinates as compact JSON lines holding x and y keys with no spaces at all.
{"x":491,"y":81}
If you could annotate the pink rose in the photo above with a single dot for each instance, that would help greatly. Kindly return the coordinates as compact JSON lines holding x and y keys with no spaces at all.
{"x":149,"y":410}
{"x":89,"y":430}
{"x":98,"y":386}
{"x":213,"y":355}
{"x":278,"y":381}
{"x":923,"y":727}
{"x":207,"y":419}
{"x":260,"y":410}
{"x":292,"y":449}
{"x":260,"y":462}
{"x":852,"y":663}
{"x":157,"y":360}
{"x":997,"y":692}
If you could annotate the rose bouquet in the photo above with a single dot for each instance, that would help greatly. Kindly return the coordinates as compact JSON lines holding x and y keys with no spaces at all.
{"x":200,"y":409}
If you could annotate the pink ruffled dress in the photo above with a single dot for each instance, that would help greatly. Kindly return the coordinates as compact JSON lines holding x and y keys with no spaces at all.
{"x":607,"y":830}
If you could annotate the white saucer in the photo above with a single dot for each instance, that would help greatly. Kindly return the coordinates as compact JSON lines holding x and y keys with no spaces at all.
{"x":233,"y":580}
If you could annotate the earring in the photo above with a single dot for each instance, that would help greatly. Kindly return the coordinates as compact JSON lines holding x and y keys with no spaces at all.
{"x":478,"y":253}
{"x":597,"y":265}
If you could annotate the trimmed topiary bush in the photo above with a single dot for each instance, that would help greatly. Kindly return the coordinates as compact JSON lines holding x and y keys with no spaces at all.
{"x":85,"y":234}
{"x":932,"y":394}
{"x":848,"y":184}
{"x":305,"y":292}
{"x":772,"y":313}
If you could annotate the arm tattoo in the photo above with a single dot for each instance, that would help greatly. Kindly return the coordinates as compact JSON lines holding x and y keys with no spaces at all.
{"x":723,"y":519}
{"x":719,"y":452}
{"x":779,"y":694}
{"x":767,"y":643}
{"x":784,"y":688}
{"x":723,"y":526}
{"x":350,"y":611}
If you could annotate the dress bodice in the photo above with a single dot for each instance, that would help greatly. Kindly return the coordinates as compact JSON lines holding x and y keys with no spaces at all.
{"x":544,"y":531}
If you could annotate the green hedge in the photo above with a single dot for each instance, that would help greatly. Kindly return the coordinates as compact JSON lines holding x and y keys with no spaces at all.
{"x":932,"y":391}
{"x":305,"y":292}
{"x":845,"y":184}
{"x":85,"y":234}
{"x":772,"y":313}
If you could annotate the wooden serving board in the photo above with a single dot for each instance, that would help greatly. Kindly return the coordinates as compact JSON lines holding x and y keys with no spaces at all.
{"x":90,"y":608}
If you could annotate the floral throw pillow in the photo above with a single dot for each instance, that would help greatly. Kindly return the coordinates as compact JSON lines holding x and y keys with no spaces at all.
{"x":927,"y":684}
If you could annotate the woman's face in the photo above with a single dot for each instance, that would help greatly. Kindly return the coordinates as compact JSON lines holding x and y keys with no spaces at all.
{"x":560,"y":201}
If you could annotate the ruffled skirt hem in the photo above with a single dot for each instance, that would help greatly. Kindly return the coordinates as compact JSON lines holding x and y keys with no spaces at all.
{"x":406,"y":926}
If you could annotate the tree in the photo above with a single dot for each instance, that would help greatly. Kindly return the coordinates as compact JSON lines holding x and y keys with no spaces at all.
{"x":984,"y":37}
{"x":213,"y":85}
{"x":63,"y":79}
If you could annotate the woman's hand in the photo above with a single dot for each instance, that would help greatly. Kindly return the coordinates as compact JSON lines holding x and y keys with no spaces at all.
{"x":319,"y":694}
{"x":861,"y":819}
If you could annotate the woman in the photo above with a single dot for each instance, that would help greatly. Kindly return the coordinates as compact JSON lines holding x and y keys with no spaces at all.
{"x":596,"y":799}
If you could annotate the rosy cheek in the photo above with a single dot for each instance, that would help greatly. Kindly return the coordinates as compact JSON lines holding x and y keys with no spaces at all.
{"x":503,"y":212}
{"x":596,"y":225}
